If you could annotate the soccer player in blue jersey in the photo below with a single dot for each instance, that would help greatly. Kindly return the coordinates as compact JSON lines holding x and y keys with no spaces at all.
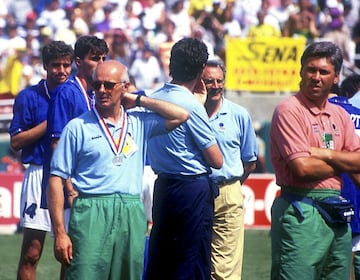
{"x":72,"y":98}
{"x":27,"y":132}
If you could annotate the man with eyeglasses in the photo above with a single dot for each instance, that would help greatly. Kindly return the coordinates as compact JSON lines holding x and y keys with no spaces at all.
{"x":70,"y":100}
{"x":103,"y":152}
{"x":27,"y":133}
{"x":236,"y":138}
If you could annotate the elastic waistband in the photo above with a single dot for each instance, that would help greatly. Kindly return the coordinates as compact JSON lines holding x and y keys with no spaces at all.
{"x":183,"y":177}
{"x":33,"y":165}
{"x":312,"y":193}
{"x":128,"y":197}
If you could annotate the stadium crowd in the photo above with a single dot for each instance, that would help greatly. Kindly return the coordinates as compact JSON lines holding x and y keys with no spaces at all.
{"x":140,"y":33}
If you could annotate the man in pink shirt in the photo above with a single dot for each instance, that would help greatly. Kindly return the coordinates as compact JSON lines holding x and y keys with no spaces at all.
{"x":311,"y":143}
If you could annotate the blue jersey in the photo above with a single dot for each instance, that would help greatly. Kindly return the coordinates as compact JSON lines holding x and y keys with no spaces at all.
{"x":85,"y":153}
{"x":29,"y":110}
{"x":69,"y":100}
{"x":236,"y":138}
{"x":180,"y":151}
{"x":349,"y":190}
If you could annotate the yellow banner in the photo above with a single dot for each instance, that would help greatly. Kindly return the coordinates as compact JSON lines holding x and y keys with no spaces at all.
{"x":264,"y":64}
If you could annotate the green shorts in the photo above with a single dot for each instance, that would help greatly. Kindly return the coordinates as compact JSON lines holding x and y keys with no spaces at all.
{"x":306,"y":247}
{"x":108,"y":236}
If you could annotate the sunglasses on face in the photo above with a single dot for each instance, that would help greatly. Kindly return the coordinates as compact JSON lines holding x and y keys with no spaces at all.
{"x":107,"y":85}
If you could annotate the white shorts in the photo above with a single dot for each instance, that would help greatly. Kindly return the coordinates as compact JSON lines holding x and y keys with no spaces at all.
{"x":31,"y":215}
{"x":147,"y":191}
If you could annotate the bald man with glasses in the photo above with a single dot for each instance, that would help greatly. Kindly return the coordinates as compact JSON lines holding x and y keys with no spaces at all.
{"x":103,"y":152}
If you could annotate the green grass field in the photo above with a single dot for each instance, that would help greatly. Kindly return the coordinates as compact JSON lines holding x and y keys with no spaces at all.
{"x":256,"y":257}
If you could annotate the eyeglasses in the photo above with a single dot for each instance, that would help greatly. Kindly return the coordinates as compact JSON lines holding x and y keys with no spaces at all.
{"x":211,"y":81}
{"x":107,"y":85}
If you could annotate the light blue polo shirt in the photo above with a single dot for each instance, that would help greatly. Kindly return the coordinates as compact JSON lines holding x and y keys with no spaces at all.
{"x":236,"y":138}
{"x":84,"y":154}
{"x":179,"y":152}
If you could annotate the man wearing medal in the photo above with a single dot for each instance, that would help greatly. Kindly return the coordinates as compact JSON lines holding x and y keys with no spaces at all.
{"x":103,"y":151}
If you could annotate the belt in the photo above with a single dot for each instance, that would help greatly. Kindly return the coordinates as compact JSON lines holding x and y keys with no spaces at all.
{"x":227,"y":181}
{"x":183,"y":177}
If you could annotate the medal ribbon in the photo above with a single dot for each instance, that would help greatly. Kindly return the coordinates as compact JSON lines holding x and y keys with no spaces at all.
{"x":116,"y":148}
{"x":87,"y":98}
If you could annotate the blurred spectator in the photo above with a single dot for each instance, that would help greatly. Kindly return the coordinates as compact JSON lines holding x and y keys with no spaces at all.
{"x":118,"y":43}
{"x":53,"y":15}
{"x":338,"y":33}
{"x":146,"y":71}
{"x":302,"y":23}
{"x":262,"y":29}
{"x":207,"y":37}
{"x":33,"y":72}
{"x":11,"y":78}
{"x":18,"y":10}
{"x":154,"y":12}
{"x":245,"y":12}
{"x":29,"y":27}
{"x":132,"y":19}
{"x":211,"y":32}
{"x":183,"y":22}
{"x":283,"y":12}
{"x":137,"y":48}
{"x":269,"y":19}
{"x":3,"y":43}
{"x":104,"y":25}
{"x":231,"y":26}
{"x":356,"y":40}
{"x":164,"y":41}
{"x":196,"y":7}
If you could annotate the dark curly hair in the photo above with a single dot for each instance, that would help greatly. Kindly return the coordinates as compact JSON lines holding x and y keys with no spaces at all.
{"x":350,"y":85}
{"x":188,"y":58}
{"x":90,"y":44}
{"x":55,"y":50}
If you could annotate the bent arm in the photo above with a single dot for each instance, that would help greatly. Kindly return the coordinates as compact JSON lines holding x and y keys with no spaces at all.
{"x":213,"y":156}
{"x":28,"y":137}
{"x":248,"y":168}
{"x":174,"y":115}
{"x":311,"y":169}
{"x":345,"y":161}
